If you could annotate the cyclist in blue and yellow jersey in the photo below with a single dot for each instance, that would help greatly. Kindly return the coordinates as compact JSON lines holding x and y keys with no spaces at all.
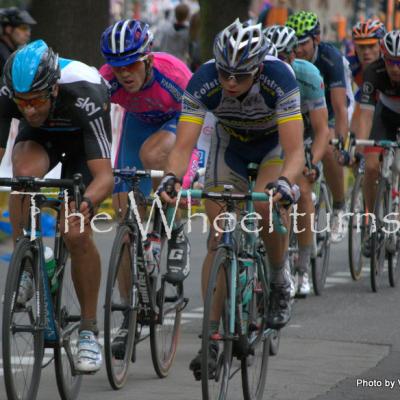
{"x":339,"y":96}
{"x":256,"y":101}
{"x":64,"y":112}
{"x":315,"y":117}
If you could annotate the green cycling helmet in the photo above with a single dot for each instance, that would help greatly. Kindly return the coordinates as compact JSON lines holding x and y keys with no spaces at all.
{"x":305,"y":24}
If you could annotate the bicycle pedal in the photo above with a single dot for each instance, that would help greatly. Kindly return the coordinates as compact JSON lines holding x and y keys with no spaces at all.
{"x":197,"y":375}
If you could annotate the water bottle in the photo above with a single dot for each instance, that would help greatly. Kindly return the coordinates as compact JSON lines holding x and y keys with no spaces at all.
{"x":50,"y":265}
{"x":152,"y":251}
{"x":246,"y":272}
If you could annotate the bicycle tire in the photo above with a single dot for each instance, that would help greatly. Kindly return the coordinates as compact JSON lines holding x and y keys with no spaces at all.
{"x":320,"y":263}
{"x":355,"y":238}
{"x":378,"y":242}
{"x":67,"y":315}
{"x":253,"y":384}
{"x":164,"y":336}
{"x":394,"y":258}
{"x":24,"y":256}
{"x":224,"y":360}
{"x":126,"y":243}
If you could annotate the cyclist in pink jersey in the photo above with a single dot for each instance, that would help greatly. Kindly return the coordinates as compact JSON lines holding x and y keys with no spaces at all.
{"x":149,"y":86}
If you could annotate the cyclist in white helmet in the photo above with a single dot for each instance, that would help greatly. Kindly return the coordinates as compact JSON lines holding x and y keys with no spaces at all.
{"x":256,"y":101}
{"x":315,"y":116}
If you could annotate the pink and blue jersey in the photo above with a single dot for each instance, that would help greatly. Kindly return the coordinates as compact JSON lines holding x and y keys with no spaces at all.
{"x":160,"y":99}
{"x":156,"y":107}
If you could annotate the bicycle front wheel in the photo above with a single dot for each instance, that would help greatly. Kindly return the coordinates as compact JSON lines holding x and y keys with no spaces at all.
{"x":215,"y":382}
{"x":165,"y":325}
{"x":378,"y":243}
{"x":320,"y":260}
{"x":121,"y":305}
{"x":68,"y":316}
{"x":358,"y":229}
{"x":23,"y":324}
{"x":254,"y":366}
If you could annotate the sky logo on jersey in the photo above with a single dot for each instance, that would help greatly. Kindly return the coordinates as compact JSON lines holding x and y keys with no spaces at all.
{"x":87,"y":105}
{"x":5,"y":91}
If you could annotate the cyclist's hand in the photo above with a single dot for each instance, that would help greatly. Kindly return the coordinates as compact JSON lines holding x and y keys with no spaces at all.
{"x":86,"y":209}
{"x":312,"y":174}
{"x":283,"y":192}
{"x":343,"y":158}
{"x":168,"y":188}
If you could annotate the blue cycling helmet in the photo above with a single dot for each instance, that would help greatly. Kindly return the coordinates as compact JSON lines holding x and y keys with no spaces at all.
{"x":126,"y":42}
{"x":34,"y":67}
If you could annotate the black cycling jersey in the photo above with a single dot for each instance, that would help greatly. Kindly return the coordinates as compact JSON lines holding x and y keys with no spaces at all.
{"x":82,"y":107}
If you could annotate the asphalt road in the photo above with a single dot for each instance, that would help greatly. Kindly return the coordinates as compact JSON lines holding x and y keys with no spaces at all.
{"x":342,"y":345}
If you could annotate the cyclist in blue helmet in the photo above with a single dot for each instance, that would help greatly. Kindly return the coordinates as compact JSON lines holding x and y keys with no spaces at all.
{"x":63,"y":108}
{"x":149,"y":86}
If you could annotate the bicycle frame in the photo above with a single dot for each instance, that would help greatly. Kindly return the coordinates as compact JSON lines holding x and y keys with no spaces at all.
{"x":141,"y":279}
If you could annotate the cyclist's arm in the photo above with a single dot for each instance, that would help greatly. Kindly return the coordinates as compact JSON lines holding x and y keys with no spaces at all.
{"x":365,"y":123}
{"x":339,"y":104}
{"x":319,"y":123}
{"x":187,"y":135}
{"x":291,"y":140}
{"x":103,"y":180}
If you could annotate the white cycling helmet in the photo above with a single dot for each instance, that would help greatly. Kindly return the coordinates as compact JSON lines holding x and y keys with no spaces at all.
{"x":272,"y":50}
{"x":390,"y":44}
{"x":240,"y":47}
{"x":283,"y":37}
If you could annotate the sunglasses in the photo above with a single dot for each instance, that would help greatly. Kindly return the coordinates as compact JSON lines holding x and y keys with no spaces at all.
{"x":239,"y":78}
{"x":36,"y":102}
{"x":392,"y":61}
{"x":130,"y":67}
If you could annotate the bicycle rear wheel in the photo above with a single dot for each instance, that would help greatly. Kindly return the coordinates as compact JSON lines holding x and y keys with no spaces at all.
{"x":68,"y":316}
{"x":23,"y":326}
{"x":121,"y":305}
{"x":165,"y":325}
{"x":357,"y":236}
{"x":378,"y":244}
{"x":254,"y":366}
{"x":320,"y":261}
{"x":215,"y":383}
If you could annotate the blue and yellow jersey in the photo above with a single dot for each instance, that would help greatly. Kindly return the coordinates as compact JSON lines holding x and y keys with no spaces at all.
{"x":273,"y":99}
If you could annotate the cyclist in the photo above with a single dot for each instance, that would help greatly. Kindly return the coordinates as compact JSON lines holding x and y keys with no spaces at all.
{"x":380,"y":111}
{"x":366,"y":37}
{"x":15,"y":31}
{"x":63,"y":108}
{"x":256,"y":101}
{"x":338,"y":95}
{"x":315,"y":117}
{"x":149,"y":86}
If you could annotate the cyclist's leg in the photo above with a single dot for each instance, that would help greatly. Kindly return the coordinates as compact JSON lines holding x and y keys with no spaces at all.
{"x":85,"y":265}
{"x":305,"y":235}
{"x":276,"y":244}
{"x":29,"y":158}
{"x":334,"y":174}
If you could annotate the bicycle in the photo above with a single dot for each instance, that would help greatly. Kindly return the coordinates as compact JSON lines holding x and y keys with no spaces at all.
{"x":358,"y":229}
{"x":240,"y":272}
{"x":321,"y":234}
{"x":47,"y":320}
{"x":385,"y":243}
{"x":135,"y":300}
